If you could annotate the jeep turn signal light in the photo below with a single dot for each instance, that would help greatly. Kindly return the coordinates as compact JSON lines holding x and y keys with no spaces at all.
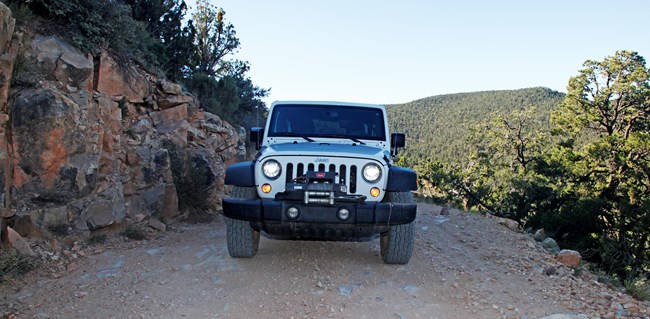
{"x":374,"y":192}
{"x":266,"y":188}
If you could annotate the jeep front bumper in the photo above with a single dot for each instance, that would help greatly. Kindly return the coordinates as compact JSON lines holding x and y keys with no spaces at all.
{"x":319,"y":221}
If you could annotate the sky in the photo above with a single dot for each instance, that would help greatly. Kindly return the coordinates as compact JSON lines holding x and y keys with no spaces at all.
{"x":388,"y":52}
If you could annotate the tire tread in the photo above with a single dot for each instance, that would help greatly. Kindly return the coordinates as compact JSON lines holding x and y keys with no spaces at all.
{"x":397,"y":244}
{"x":242,"y":239}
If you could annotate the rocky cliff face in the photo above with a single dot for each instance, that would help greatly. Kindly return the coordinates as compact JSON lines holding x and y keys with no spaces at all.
{"x":91,"y":143}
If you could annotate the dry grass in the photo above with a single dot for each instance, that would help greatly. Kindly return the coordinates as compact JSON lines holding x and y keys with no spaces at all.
{"x":639,"y":289}
{"x":13,"y":263}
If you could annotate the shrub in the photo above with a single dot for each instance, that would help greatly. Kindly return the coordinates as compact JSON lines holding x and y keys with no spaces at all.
{"x":92,"y":25}
{"x":218,"y":96}
{"x":134,"y":232}
{"x":96,"y":239}
{"x":639,"y":288}
{"x":20,"y":11}
{"x":13,"y":263}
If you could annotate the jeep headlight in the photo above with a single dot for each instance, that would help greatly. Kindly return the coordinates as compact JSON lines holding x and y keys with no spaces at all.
{"x":271,"y":169}
{"x":371,"y":172}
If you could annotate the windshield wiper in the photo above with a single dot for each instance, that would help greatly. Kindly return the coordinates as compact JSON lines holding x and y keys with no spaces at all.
{"x":343,"y":136}
{"x":289,"y":134}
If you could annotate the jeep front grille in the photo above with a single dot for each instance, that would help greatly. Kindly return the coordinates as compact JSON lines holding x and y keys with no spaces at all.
{"x":345,"y":176}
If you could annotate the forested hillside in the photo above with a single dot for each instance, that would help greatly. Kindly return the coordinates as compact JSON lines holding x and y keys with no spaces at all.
{"x":437,"y":127}
{"x":576,"y":165}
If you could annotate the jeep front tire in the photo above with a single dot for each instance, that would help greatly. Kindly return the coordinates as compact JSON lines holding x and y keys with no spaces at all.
{"x":397,"y":243}
{"x":242,"y":239}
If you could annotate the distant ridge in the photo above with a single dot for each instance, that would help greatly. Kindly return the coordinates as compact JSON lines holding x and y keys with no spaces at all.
{"x":437,"y":126}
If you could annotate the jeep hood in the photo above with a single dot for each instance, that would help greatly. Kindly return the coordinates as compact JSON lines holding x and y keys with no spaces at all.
{"x":324,"y":149}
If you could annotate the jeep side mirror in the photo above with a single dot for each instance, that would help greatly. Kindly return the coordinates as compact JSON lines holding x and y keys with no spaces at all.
{"x":397,"y":140}
{"x":257,"y":133}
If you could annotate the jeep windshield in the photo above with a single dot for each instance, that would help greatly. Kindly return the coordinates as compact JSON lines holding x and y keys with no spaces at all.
{"x":327,"y":121}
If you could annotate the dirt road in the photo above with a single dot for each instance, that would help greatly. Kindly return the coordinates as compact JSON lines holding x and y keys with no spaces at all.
{"x":464,"y":266}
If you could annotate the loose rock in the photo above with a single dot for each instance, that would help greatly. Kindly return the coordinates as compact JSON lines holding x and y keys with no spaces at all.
{"x":157,"y":225}
{"x":551,"y":245}
{"x":569,"y":258}
{"x":19,"y":243}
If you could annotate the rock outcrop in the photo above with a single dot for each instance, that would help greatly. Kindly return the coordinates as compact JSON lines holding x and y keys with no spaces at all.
{"x":95,"y":143}
{"x":7,"y":57}
{"x":60,"y":61}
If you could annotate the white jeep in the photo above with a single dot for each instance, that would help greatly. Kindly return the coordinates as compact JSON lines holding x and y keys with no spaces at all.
{"x":324,"y":171}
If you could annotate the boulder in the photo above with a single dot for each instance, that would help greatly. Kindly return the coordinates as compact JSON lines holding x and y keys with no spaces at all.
{"x":569,"y":258}
{"x":509,"y":223}
{"x":118,"y":81}
{"x":107,"y":208}
{"x":7,"y":24}
{"x":540,"y":235}
{"x":19,"y":243}
{"x":24,"y":226}
{"x":43,"y":217}
{"x":157,"y":225}
{"x":100,"y":214}
{"x":550,"y":245}
{"x":169,"y":87}
{"x":51,"y":165}
{"x":170,"y":115}
{"x":174,"y":100}
{"x":60,"y":61}
{"x":159,"y":200}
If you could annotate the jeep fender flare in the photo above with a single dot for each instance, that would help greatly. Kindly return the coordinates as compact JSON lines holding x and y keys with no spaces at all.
{"x":401,"y":179}
{"x":241,"y":174}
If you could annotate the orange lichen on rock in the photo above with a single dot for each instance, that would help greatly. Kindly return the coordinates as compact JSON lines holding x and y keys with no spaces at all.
{"x":54,"y":157}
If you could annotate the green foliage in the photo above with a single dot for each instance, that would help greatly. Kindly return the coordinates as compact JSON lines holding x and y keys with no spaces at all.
{"x":605,"y":124}
{"x":436,"y":126}
{"x":226,"y":98}
{"x":20,"y":11}
{"x":219,"y":97}
{"x":155,"y":34}
{"x":251,"y":111}
{"x":164,"y":19}
{"x":640,"y":289}
{"x":214,"y":39}
{"x":95,"y":24}
{"x":607,"y":279}
{"x":587,"y":184}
